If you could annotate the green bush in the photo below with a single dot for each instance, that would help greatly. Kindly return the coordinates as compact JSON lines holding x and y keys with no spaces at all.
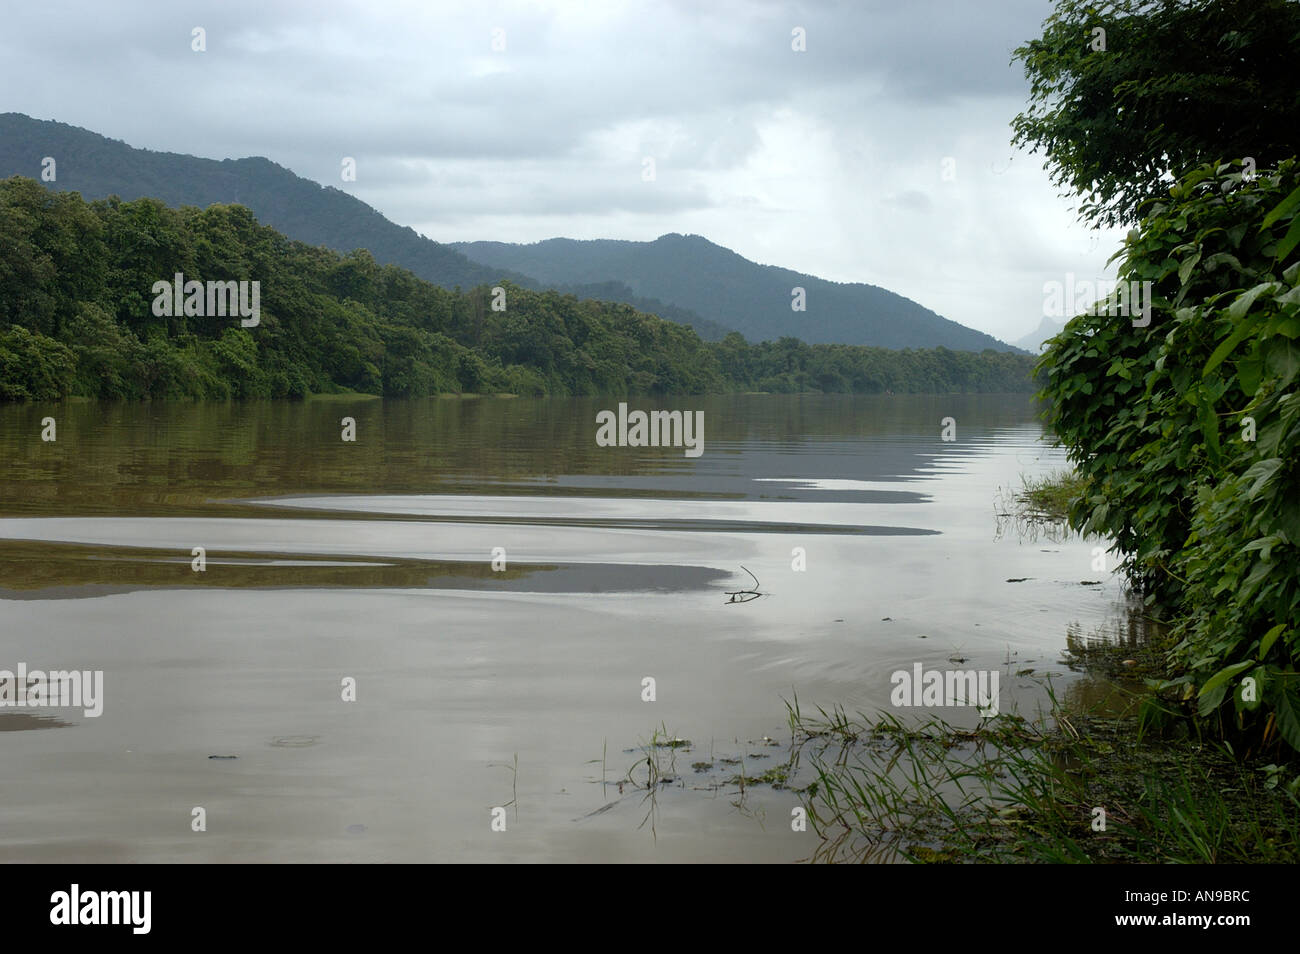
{"x":1188,"y":432}
{"x":34,"y":367}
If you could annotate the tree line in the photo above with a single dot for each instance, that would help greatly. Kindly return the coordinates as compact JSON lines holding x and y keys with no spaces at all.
{"x":76,"y":318}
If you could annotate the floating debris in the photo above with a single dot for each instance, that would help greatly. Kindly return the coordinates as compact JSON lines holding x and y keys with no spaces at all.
{"x":744,"y":596}
{"x":603,"y":808}
{"x":777,"y":776}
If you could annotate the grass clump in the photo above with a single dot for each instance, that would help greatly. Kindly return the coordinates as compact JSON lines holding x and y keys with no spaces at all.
{"x":1049,"y":497}
{"x":1063,"y":788}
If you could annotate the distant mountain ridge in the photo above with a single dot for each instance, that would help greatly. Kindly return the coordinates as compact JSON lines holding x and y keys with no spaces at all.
{"x":98,"y":167}
{"x":1034,"y":341}
{"x":75,"y":320}
{"x":619,"y":292}
{"x":691,"y":272}
{"x":685,"y":279}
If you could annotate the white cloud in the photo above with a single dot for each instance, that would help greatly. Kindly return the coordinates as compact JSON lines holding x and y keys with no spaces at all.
{"x":826,"y":161}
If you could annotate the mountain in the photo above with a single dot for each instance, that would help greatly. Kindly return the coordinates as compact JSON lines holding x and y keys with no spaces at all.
{"x":82,"y":313}
{"x":691,"y":272}
{"x":685,"y":279}
{"x":1034,"y":341}
{"x":98,"y":167}
{"x":617,"y":291}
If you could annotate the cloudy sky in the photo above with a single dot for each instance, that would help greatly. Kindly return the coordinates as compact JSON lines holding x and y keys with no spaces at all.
{"x":524,"y":121}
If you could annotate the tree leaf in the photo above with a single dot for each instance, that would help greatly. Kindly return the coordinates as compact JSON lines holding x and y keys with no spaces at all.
{"x":1270,"y":638}
{"x":1249,"y":371}
{"x":1289,"y":204}
{"x":1282,"y":356}
{"x":1247,"y":298}
{"x":1225,"y":348}
{"x":1288,"y":724}
{"x":1209,"y":701}
{"x":1264,"y":545}
{"x":1221,"y":677}
{"x":1260,"y":472}
{"x":1289,"y":241}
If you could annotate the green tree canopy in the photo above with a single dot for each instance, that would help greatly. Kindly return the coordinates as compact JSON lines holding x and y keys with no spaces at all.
{"x":1168,"y":86}
{"x":1187,"y":432}
{"x":76,"y":284}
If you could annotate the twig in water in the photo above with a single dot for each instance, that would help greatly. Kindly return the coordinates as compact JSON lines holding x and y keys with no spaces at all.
{"x":744,"y":596}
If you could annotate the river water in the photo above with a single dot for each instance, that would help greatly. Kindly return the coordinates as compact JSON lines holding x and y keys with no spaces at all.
{"x":401,"y":644}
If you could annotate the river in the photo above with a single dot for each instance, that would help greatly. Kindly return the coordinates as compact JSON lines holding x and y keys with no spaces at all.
{"x":432,"y":642}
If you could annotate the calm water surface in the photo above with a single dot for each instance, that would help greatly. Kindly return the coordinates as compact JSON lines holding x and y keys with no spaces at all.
{"x":478,"y":688}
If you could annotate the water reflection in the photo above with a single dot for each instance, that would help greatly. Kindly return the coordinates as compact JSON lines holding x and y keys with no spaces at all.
{"x":499,"y":588}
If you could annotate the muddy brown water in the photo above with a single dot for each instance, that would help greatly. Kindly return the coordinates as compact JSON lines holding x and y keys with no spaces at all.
{"x":369,"y":563}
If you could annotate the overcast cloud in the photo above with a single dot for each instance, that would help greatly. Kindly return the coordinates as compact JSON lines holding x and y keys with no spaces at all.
{"x":827,"y":161}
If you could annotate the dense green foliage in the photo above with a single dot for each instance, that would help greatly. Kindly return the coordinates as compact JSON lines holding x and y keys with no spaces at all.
{"x":682,"y":279}
{"x":1188,"y":434}
{"x":617,"y":291}
{"x":1179,"y":83}
{"x":98,"y":167}
{"x":691,"y":272}
{"x":791,"y":366}
{"x":76,"y":318}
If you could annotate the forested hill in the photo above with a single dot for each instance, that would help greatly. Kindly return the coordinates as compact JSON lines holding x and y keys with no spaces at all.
{"x":691,"y":272}
{"x":682,"y":278}
{"x":81,"y":313}
{"x":617,"y":291}
{"x":99,"y":167}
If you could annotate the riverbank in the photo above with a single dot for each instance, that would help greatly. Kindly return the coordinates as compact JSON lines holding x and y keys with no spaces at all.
{"x":1073,"y":786}
{"x":1134,"y":779}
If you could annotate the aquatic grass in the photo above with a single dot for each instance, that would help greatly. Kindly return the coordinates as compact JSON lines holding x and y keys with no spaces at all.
{"x":604,"y":771}
{"x":1013,"y":790}
{"x":660,"y":761}
{"x":1048,"y":497}
{"x":1040,"y":508}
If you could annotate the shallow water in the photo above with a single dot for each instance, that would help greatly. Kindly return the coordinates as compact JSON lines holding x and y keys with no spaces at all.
{"x":372,"y":561}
